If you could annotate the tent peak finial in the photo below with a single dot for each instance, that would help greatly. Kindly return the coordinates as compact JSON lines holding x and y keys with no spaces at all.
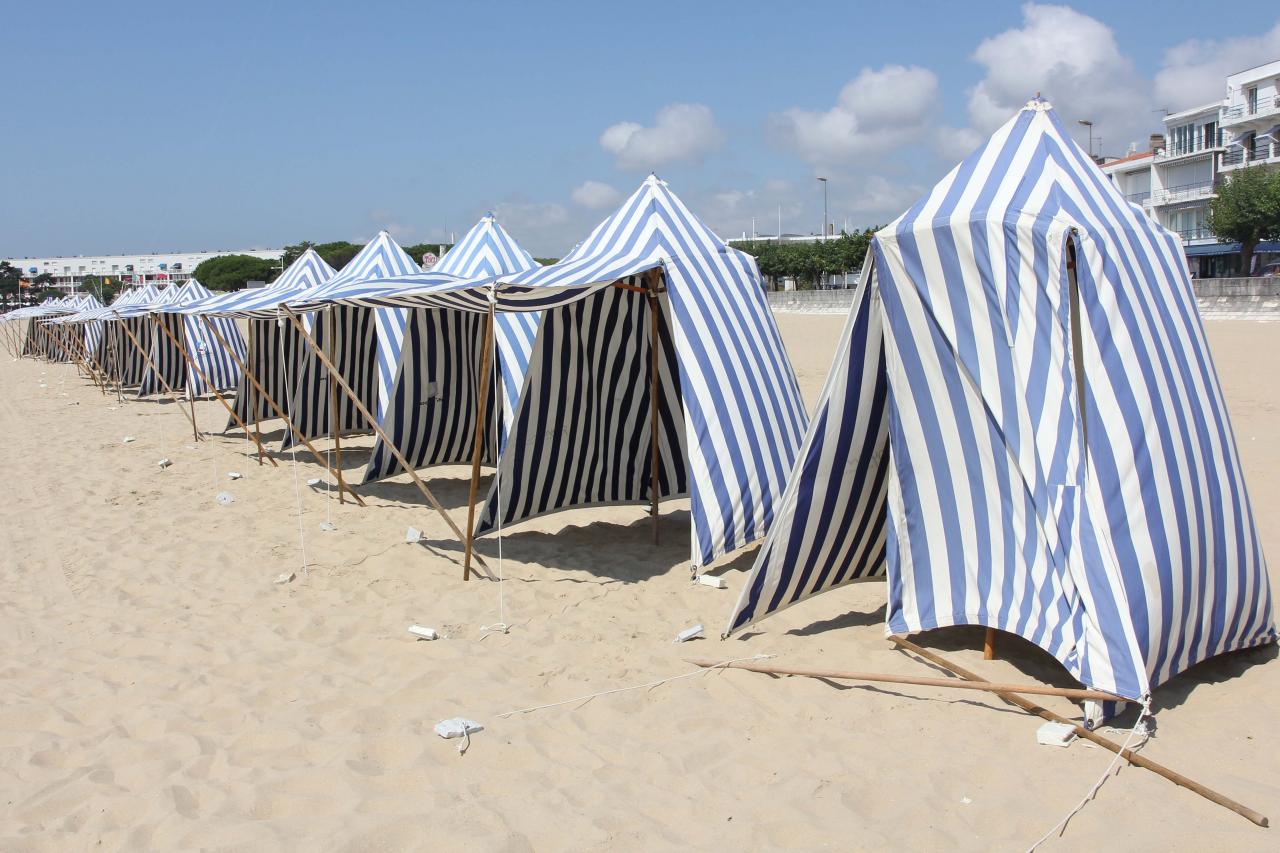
{"x":1038,"y":104}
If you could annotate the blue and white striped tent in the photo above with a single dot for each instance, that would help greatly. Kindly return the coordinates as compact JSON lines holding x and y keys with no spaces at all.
{"x":365,"y":346}
{"x":208,"y":353}
{"x":76,"y":326}
{"x":1023,"y":429}
{"x":431,"y":408}
{"x":127,"y":364}
{"x":274,"y":350}
{"x":730,"y":413}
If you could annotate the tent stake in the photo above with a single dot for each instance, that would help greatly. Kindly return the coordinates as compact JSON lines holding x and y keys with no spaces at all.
{"x":275,"y":407}
{"x":377,"y":428}
{"x":1073,"y":693}
{"x":1129,"y":755}
{"x":205,"y":379}
{"x":477,"y":447}
{"x":147,"y":357}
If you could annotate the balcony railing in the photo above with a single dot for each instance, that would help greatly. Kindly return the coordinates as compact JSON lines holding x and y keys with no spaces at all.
{"x":1239,"y":156}
{"x":1137,"y":198}
{"x":1185,"y":192}
{"x":1265,"y":106}
{"x":1197,"y":147}
{"x":1189,"y":234}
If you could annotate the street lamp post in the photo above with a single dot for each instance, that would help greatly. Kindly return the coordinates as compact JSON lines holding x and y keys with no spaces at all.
{"x":1089,"y":124}
{"x":824,"y":208}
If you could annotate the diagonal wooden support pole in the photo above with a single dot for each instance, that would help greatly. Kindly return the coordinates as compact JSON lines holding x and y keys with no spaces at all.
{"x":172,"y":396}
{"x":1129,"y":755}
{"x":205,"y":379}
{"x":275,"y":407}
{"x":377,"y":428}
{"x":477,"y":449}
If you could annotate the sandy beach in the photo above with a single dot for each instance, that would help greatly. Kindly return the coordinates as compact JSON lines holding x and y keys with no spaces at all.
{"x":159,"y":691}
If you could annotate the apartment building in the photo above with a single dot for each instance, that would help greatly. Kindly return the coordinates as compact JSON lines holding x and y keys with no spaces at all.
{"x":1177,"y":179}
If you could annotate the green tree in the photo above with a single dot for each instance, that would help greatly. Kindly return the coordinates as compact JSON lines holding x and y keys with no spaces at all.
{"x":417,"y":251}
{"x":808,"y":261}
{"x":1247,"y":211}
{"x":103,"y":288}
{"x":335,"y":254}
{"x":231,"y":272}
{"x":546,"y":262}
{"x":10,"y":282}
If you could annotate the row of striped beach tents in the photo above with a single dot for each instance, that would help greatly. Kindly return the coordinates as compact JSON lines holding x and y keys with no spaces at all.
{"x":1022,"y":428}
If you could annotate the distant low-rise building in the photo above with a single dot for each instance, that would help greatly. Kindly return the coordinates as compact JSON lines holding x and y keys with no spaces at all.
{"x":69,"y":272}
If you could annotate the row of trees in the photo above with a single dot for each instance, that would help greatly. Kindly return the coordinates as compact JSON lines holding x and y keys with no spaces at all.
{"x":1247,"y":211}
{"x":11,"y":284}
{"x":808,"y":261}
{"x":232,"y":272}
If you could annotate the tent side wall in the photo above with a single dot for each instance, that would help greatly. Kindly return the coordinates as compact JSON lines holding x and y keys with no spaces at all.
{"x":166,"y":360}
{"x":745,"y":418}
{"x":214,"y":361}
{"x":830,"y":522}
{"x":430,"y":416}
{"x":354,"y":349}
{"x":581,"y":434}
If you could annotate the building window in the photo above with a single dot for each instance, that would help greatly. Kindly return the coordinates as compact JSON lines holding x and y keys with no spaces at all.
{"x":1210,"y":134}
{"x":1251,"y":98}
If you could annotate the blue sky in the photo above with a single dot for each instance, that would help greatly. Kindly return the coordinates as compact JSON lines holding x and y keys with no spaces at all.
{"x":155,"y":127}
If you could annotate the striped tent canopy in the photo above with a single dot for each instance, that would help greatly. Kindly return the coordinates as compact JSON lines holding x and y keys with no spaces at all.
{"x":1023,"y":429}
{"x":307,"y":272}
{"x":730,"y":413}
{"x":76,"y":342}
{"x":207,"y":364}
{"x":274,"y":349}
{"x":432,"y":403}
{"x":364,"y":343}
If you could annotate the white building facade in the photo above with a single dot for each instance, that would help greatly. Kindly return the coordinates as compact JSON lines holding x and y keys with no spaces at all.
{"x":1198,"y":151}
{"x":69,"y":272}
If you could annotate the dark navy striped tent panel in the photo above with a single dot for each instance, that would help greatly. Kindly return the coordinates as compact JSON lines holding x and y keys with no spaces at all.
{"x":364,"y":344}
{"x":742,"y":419}
{"x":582,"y":431}
{"x":431,"y":412}
{"x":1102,"y":516}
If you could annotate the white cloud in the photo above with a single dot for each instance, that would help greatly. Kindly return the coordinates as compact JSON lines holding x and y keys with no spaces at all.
{"x":1073,"y":60}
{"x":595,"y":195}
{"x":1195,"y":72}
{"x":878,"y":110}
{"x":953,"y":144}
{"x":680,"y":132}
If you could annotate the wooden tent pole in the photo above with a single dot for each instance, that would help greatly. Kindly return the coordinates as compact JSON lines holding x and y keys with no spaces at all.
{"x":654,"y":307}
{"x":252,"y":397}
{"x":147,"y":357}
{"x":280,"y":413}
{"x":477,"y":447}
{"x":335,"y":430}
{"x":205,"y":379}
{"x":275,"y":407}
{"x":1074,"y":693}
{"x":989,"y":645}
{"x":377,"y":428}
{"x":191,"y":398}
{"x":1129,"y":755}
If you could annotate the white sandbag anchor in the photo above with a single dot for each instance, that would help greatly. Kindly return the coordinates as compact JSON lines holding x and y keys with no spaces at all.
{"x":458,"y":727}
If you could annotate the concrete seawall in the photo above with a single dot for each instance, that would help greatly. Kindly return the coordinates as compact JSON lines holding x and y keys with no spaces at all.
{"x":1218,"y":298}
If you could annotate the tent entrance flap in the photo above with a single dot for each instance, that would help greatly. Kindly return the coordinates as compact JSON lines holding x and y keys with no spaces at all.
{"x":582,"y":433}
